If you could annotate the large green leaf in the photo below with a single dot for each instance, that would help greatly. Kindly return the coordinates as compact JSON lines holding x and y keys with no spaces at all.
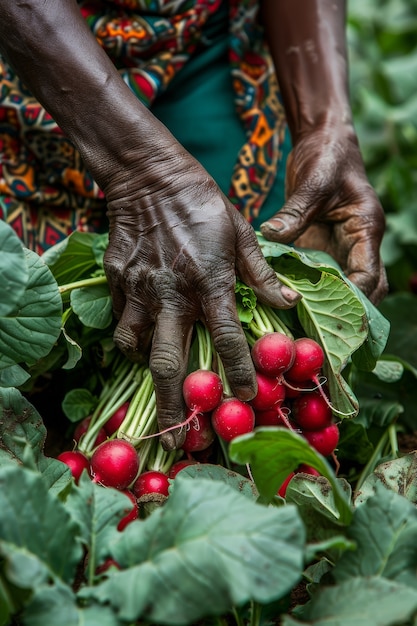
{"x":273,"y":453}
{"x":13,"y":269}
{"x":206,"y":550}
{"x":384,"y":528}
{"x":22,"y":439}
{"x":360,"y":601}
{"x":48,"y":600}
{"x":97,"y":510}
{"x":30,"y":330}
{"x":93,"y":305}
{"x":33,"y":519}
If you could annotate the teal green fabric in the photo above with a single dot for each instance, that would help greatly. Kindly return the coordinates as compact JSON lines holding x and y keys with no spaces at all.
{"x":198,"y":109}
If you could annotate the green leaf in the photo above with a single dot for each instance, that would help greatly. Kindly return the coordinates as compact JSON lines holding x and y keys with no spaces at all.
{"x":30,"y":330}
{"x":78,"y":403}
{"x":245,"y":302}
{"x":219,"y":473}
{"x":74,"y":259}
{"x":22,"y":431}
{"x":74,"y":351}
{"x":359,"y":602}
{"x":97,"y":511}
{"x":273,"y":453}
{"x":315,"y":493}
{"x":401,"y":310}
{"x":48,"y":599}
{"x":11,"y":374}
{"x":206,"y":550}
{"x":399,"y":475}
{"x":330,"y":313}
{"x":100,"y":245}
{"x":389,"y":371}
{"x":384,"y":528}
{"x":93,"y":306}
{"x":33,"y":519}
{"x":14,"y":272}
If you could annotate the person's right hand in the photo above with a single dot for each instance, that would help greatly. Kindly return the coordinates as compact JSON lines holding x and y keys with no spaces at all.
{"x":176,"y":244}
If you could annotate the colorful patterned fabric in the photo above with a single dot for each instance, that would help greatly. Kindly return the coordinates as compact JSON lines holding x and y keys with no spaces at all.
{"x":45,"y":191}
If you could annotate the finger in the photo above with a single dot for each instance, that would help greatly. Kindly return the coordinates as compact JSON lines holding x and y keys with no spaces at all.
{"x":230,"y":342}
{"x":168,"y":364}
{"x":293,"y":218}
{"x":256,"y":273}
{"x":114,"y":274}
{"x":133,"y":332}
{"x":381,"y":290}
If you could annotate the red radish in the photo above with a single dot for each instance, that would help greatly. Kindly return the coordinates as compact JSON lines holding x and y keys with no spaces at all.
{"x":132,"y":513}
{"x":308,"y":361}
{"x":199,"y":434}
{"x":115,"y":463}
{"x":273,"y":354}
{"x":108,"y":563}
{"x":149,"y":482}
{"x":116,"y":420}
{"x":76,"y":461}
{"x":232,"y":418}
{"x":283,"y":489}
{"x":269,"y":417}
{"x":82,"y":428}
{"x":307,"y":469}
{"x":271,"y":392}
{"x":325,"y":440}
{"x":180,"y":465}
{"x":202,"y":390}
{"x":311,"y":411}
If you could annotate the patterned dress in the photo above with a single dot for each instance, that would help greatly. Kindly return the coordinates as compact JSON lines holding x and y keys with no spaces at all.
{"x":45,"y":190}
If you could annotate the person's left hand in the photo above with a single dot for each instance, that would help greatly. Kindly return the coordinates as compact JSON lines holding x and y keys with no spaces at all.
{"x":331,"y":206}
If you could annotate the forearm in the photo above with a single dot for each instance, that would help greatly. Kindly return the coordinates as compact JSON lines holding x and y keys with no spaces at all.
{"x":308,"y":45}
{"x":51,"y":47}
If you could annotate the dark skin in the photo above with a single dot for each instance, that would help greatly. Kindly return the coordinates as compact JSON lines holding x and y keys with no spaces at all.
{"x":330,"y":204}
{"x":176,"y":242}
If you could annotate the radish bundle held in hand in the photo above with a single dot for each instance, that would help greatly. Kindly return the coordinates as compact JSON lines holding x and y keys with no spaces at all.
{"x":115,"y":463}
{"x":273,"y":354}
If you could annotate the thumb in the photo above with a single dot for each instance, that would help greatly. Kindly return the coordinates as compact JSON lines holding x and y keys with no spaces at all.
{"x":292,"y":219}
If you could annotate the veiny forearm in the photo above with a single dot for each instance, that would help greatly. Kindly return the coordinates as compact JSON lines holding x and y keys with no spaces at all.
{"x":308,"y":45}
{"x":52,"y":49}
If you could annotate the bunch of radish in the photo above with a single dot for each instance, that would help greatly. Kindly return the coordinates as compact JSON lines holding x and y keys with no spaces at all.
{"x":121,"y":436}
{"x":291,"y":369}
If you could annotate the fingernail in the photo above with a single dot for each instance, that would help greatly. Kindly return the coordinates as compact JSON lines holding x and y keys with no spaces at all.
{"x":245,"y":393}
{"x":290,"y":295}
{"x":276,"y":225}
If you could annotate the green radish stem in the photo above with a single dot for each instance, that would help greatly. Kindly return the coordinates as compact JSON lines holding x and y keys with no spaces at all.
{"x":113,"y":395}
{"x":87,"y":282}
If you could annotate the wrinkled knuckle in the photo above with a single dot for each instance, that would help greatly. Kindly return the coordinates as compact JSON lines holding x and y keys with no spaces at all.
{"x":165,"y":364}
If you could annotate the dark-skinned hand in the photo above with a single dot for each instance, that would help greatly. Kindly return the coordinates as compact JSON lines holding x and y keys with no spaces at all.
{"x":174,"y":252}
{"x":332,"y":207}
